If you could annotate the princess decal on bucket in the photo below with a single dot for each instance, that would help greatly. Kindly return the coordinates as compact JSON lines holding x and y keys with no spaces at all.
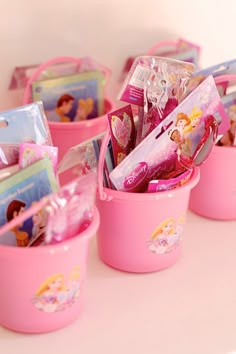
{"x":53,"y":294}
{"x":166,"y":236}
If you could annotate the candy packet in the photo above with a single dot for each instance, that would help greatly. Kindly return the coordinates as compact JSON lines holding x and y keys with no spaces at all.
{"x":122,"y":130}
{"x":172,"y":74}
{"x":181,"y":140}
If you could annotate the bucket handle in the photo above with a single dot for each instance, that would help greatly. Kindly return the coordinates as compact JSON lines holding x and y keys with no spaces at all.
{"x":160,"y":45}
{"x":105,"y":141}
{"x":27,"y":93}
{"x":223,"y":78}
{"x":40,"y":68}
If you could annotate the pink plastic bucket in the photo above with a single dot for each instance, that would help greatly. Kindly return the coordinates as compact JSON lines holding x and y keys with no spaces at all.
{"x":215,"y":195}
{"x":42,"y":288}
{"x":66,"y":135}
{"x":135,"y":227}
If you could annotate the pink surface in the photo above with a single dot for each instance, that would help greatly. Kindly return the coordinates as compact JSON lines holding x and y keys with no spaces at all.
{"x":215,"y":195}
{"x":186,"y":309}
{"x":24,"y":270}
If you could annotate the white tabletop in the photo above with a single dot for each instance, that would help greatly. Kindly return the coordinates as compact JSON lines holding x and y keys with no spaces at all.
{"x":187,"y":309}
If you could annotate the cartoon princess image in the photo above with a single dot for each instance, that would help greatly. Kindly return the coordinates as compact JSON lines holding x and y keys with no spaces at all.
{"x":53,"y":294}
{"x":73,"y":288}
{"x":167,"y":236}
{"x":184,"y":144}
{"x":48,"y":295}
{"x":39,"y":220}
{"x":29,"y":156}
{"x":182,"y":121}
{"x":192,"y":129}
{"x":84,"y":109}
{"x":159,"y":238}
{"x":195,"y":120}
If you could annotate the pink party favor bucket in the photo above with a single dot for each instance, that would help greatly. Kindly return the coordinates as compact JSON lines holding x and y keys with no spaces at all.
{"x":65,"y":135}
{"x":141,"y":232}
{"x":42,"y":288}
{"x":215,"y":195}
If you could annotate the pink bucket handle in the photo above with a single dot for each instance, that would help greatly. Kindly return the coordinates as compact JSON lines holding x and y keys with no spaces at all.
{"x":43,"y":66}
{"x":57,"y":60}
{"x":106,"y":72}
{"x":160,"y":45}
{"x":102,"y":154}
{"x":225,"y":78}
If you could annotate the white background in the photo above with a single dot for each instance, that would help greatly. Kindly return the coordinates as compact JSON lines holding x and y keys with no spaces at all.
{"x":33,"y":31}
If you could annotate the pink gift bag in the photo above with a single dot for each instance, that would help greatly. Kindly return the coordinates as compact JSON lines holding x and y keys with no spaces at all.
{"x":141,"y":232}
{"x":42,"y":288}
{"x":68,"y":134}
{"x":215,"y":195}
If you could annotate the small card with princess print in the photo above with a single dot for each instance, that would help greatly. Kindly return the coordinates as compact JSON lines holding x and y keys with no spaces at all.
{"x":19,"y":192}
{"x":70,"y":98}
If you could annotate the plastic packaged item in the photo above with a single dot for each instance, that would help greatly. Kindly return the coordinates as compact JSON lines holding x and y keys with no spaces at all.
{"x":160,"y":99}
{"x":171,"y":73}
{"x":180,"y":49}
{"x":30,"y":153}
{"x":81,"y":158}
{"x":177,"y":141}
{"x":70,"y":210}
{"x":22,"y":124}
